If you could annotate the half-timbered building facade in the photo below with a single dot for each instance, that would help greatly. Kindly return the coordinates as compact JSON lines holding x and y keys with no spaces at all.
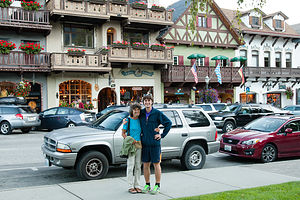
{"x":213,"y":36}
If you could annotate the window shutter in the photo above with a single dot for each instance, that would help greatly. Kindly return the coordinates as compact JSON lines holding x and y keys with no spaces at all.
{"x":197,"y":21}
{"x":274,"y":24}
{"x":206,"y":61}
{"x":180,"y":60}
{"x":209,"y":22}
{"x":250,"y":20}
{"x":282,"y":23}
{"x":192,"y":61}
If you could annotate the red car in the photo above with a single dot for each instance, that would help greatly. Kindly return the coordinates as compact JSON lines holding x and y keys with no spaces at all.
{"x":266,"y":138}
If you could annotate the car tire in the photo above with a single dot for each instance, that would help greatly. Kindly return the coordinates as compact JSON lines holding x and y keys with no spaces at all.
{"x":194,"y":157}
{"x":92,"y":165}
{"x":5,"y":128}
{"x":228,"y":126}
{"x":268,"y":153}
{"x":26,"y":130}
{"x":71,"y":124}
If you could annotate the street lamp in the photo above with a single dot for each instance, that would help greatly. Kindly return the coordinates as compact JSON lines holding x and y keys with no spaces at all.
{"x":207,"y":81}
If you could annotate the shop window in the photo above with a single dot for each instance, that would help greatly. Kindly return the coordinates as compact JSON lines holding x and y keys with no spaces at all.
{"x":78,"y":35}
{"x":278,"y":59}
{"x":274,"y":99}
{"x":243,"y":53}
{"x":267,"y":58}
{"x":134,"y":94}
{"x":248,"y":98}
{"x":255,"y":60}
{"x":6,"y":88}
{"x":288,"y":60}
{"x":70,"y":91}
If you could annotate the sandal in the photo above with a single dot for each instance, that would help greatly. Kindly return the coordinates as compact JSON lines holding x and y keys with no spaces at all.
{"x":138,"y":190}
{"x":132,"y":191}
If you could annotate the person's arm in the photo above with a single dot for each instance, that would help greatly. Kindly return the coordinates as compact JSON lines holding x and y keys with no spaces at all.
{"x":166,"y":122}
{"x":125,"y":128}
{"x":124,"y":133}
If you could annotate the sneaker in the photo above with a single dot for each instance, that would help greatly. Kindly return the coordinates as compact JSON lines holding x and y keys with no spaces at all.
{"x":146,"y":189}
{"x":155,"y":190}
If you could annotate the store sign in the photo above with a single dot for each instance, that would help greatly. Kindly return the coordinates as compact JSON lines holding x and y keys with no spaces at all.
{"x":137,"y":88}
{"x":137,"y":73}
{"x":113,"y":85}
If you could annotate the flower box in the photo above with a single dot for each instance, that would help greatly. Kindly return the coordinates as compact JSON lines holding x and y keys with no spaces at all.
{"x":5,"y":3}
{"x":157,"y":48}
{"x":31,"y":48}
{"x":140,"y":45}
{"x":121,"y":46}
{"x":76,"y":52}
{"x":139,"y":5}
{"x":157,"y":8}
{"x":104,"y":50}
{"x":6,"y":47}
{"x":31,"y":6}
{"x":119,"y":2}
{"x":100,"y":2}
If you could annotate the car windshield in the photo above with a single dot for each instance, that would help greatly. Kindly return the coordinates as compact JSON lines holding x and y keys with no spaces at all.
{"x":231,"y":108}
{"x":265,"y":124}
{"x":110,"y":121}
{"x":219,"y":106}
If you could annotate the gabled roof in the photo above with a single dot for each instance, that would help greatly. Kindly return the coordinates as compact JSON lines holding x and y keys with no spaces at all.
{"x":179,"y":8}
{"x":254,"y":9}
{"x":289,"y":31}
{"x":276,"y":13}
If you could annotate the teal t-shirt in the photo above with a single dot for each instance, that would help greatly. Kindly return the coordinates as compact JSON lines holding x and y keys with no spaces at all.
{"x":135,"y":128}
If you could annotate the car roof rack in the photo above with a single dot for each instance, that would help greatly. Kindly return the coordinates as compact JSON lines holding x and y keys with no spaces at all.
{"x":12,"y":100}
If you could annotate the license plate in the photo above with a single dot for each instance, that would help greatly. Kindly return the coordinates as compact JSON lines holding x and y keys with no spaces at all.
{"x":227,"y":148}
{"x":31,"y":118}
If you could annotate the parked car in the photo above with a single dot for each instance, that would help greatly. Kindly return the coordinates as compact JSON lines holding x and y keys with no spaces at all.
{"x":15,"y":116}
{"x":61,"y":117}
{"x":211,"y":107}
{"x":237,"y":115}
{"x":109,"y":108}
{"x":92,"y":149}
{"x":295,"y":110}
{"x":266,"y":138}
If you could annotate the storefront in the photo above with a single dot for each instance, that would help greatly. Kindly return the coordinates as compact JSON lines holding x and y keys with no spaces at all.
{"x":72,"y":90}
{"x":134,"y":94}
{"x":274,"y":99}
{"x":248,"y":97}
{"x":177,"y":95}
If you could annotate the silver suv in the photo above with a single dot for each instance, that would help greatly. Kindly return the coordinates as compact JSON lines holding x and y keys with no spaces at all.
{"x":91,"y":150}
{"x":17,"y":117}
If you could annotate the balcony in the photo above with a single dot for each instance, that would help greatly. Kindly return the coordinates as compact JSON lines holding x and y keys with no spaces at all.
{"x":19,"y":61}
{"x":145,"y":56}
{"x":181,"y":74}
{"x":85,"y":63}
{"x":271,"y":72}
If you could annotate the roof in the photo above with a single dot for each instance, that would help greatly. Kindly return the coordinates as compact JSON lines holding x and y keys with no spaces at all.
{"x":276,"y":13}
{"x":179,"y":8}
{"x":289,"y":31}
{"x":296,"y":27}
{"x":254,"y":9}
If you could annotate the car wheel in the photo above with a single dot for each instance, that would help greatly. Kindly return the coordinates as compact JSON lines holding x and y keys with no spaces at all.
{"x":228,"y":126}
{"x":194,"y":157}
{"x":26,"y":130}
{"x":92,"y":165}
{"x":5,"y":128}
{"x":268,"y":153}
{"x":71,"y":124}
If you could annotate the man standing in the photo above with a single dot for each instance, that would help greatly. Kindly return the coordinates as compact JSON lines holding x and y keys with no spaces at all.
{"x":150,"y":119}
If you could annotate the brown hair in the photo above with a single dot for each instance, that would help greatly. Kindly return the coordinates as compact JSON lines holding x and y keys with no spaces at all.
{"x":133,"y":107}
{"x":148,"y":96}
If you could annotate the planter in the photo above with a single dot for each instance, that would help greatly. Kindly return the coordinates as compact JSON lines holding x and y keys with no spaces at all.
{"x":139,"y":6}
{"x":121,"y":46}
{"x":75,"y":53}
{"x":157,"y":48}
{"x":157,"y":9}
{"x":119,"y":2}
{"x":140,"y":47}
{"x":100,"y":2}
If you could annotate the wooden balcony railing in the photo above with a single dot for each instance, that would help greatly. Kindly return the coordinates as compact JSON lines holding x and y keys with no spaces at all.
{"x":104,"y":11}
{"x":184,"y":74}
{"x":20,"y":61}
{"x":13,"y":16}
{"x":88,"y":62}
{"x":271,"y":72}
{"x":131,"y":55}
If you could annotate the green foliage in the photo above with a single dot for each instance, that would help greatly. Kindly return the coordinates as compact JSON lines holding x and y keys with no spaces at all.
{"x":31,"y":48}
{"x":289,"y":93}
{"x":5,"y":3}
{"x":6,"y":47}
{"x":208,"y":96}
{"x":22,"y":89}
{"x":31,"y":5}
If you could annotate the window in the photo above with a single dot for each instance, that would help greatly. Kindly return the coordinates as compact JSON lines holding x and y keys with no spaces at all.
{"x":70,"y":90}
{"x":202,"y":22}
{"x":50,"y":111}
{"x":63,"y":111}
{"x":78,"y":35}
{"x":255,"y":110}
{"x":255,"y":60}
{"x":243,"y":53}
{"x":200,"y":62}
{"x":278,"y":59}
{"x":175,"y":60}
{"x":174,"y":117}
{"x":206,"y":107}
{"x":255,"y":21}
{"x":7,"y":110}
{"x":195,"y":118}
{"x":30,"y":41}
{"x":136,"y":36}
{"x":294,"y":125}
{"x":267,"y":58}
{"x":278,"y":24}
{"x":245,"y":110}
{"x":110,"y":121}
{"x":288,"y":60}
{"x":129,"y":94}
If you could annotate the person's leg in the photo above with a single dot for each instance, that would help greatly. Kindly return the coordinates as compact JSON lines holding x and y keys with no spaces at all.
{"x":147,"y":172}
{"x":130,"y":165}
{"x":157,"y":170}
{"x":155,"y":159}
{"x":137,"y":170}
{"x":146,"y":165}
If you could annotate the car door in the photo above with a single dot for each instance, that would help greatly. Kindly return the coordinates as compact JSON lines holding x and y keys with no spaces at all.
{"x":62,"y":117}
{"x":172,"y":143}
{"x":256,"y":112}
{"x":48,"y":118}
{"x":243,"y":116}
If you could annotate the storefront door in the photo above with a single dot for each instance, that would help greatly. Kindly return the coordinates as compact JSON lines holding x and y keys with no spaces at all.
{"x":106,"y":97}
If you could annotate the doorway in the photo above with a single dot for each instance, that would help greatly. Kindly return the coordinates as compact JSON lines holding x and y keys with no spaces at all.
{"x":106,"y":97}
{"x":34,"y":97}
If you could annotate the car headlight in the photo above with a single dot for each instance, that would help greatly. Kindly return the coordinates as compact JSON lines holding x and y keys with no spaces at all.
{"x":251,"y":142}
{"x":60,"y":147}
{"x":218,"y":118}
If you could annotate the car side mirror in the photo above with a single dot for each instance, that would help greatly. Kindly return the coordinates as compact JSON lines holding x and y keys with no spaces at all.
{"x":288,"y":131}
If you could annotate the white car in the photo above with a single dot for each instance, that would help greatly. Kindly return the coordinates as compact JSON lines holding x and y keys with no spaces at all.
{"x":211,"y":107}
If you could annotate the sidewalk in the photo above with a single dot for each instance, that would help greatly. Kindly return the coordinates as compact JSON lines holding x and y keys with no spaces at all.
{"x":174,"y":185}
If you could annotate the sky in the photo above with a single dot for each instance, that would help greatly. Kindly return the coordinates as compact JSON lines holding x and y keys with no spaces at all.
{"x":289,"y":7}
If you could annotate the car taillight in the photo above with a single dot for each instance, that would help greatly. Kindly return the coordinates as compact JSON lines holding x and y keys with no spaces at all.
{"x":216,"y":136}
{"x":20,"y":116}
{"x":82,"y":116}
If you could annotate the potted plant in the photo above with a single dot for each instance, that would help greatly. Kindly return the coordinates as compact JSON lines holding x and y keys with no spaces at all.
{"x":31,"y":5}
{"x":22,"y":89}
{"x":100,"y":2}
{"x":6,"y":47}
{"x":104,"y":50}
{"x":208,"y":96}
{"x":157,"y":8}
{"x":119,"y":2}
{"x":76,"y":52}
{"x":31,"y":48}
{"x":120,"y":44}
{"x":139,"y":5}
{"x":158,"y":47}
{"x":88,"y":106}
{"x":289,"y":93}
{"x":140,"y":45}
{"x":5,"y":3}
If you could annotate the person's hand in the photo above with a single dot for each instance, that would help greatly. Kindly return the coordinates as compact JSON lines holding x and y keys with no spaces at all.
{"x":157,"y":136}
{"x":157,"y":130}
{"x":125,"y":121}
{"x":134,"y":141}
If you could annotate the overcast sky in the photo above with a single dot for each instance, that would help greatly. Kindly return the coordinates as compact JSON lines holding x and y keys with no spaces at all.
{"x":288,"y":7}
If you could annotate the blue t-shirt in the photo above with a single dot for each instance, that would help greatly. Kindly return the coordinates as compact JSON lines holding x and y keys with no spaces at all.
{"x":135,"y":128}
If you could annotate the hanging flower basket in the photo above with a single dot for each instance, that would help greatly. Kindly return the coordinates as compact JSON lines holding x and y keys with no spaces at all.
{"x":6,"y":47}
{"x":100,"y":2}
{"x":22,"y":89}
{"x":30,"y":5}
{"x":5,"y":3}
{"x":158,"y":47}
{"x":140,"y":45}
{"x":119,"y":2}
{"x":120,"y":44}
{"x":139,"y":5}
{"x":157,"y":8}
{"x":31,"y":48}
{"x":208,"y":96}
{"x":289,"y":93}
{"x":76,"y":52}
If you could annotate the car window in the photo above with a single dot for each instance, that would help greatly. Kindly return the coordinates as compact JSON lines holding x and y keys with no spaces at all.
{"x":297,"y":108}
{"x":219,"y":107}
{"x":195,"y":118}
{"x":25,"y":109}
{"x":244,"y":110}
{"x":63,"y":111}
{"x":294,"y":125}
{"x":289,"y":108}
{"x":111,"y":120}
{"x":74,"y":111}
{"x":265,"y":124}
{"x":175,"y":119}
{"x":50,"y":111}
{"x":255,"y":110}
{"x":266,"y":108}
{"x":7,"y":110}
{"x":206,"y":107}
